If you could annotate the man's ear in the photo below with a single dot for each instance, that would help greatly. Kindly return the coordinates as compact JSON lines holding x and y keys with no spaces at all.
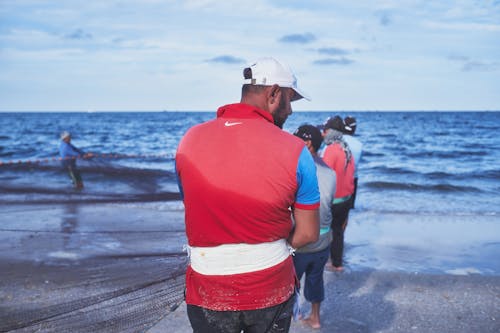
{"x":273,"y":98}
{"x":275,"y":91}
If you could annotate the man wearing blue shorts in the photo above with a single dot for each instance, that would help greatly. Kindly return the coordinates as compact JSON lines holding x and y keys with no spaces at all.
{"x":311,"y":259}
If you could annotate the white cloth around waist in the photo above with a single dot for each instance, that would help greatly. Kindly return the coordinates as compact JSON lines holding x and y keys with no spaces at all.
{"x":240,"y":258}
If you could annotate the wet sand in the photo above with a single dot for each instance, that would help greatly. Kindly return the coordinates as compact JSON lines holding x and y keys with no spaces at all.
{"x":119,"y":268}
{"x":377,"y":301}
{"x":88,"y":267}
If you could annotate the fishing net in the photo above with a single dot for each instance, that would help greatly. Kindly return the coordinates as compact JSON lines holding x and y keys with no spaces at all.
{"x":107,"y":258}
{"x":103,"y":294}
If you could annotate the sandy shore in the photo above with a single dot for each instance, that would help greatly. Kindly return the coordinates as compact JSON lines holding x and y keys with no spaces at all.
{"x":89,"y":267}
{"x":373,"y":301}
{"x":119,"y":268}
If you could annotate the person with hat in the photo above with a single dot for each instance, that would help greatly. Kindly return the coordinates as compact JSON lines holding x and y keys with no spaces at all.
{"x":242,"y":178}
{"x":311,"y":259}
{"x":356,"y":147}
{"x":68,"y":154}
{"x":337,"y":155}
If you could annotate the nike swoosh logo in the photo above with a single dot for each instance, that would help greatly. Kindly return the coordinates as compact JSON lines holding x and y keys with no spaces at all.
{"x":228,"y":124}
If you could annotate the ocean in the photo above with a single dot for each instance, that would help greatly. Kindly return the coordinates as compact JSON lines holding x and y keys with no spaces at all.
{"x":412,"y":163}
{"x":429,"y":182}
{"x":110,"y":258}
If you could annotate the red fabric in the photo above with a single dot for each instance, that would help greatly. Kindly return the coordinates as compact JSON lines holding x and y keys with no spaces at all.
{"x":308,"y":207}
{"x":241,"y":195}
{"x":334,"y":157}
{"x":238,"y":174}
{"x":248,"y":291}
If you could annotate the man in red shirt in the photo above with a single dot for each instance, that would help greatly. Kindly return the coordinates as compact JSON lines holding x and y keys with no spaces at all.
{"x":337,"y":155}
{"x":242,"y":179}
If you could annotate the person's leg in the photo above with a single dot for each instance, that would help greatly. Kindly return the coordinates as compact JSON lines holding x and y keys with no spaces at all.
{"x":276,"y":319}
{"x":340,"y":213}
{"x":314,"y":290}
{"x":78,"y":177}
{"x":314,"y":320}
{"x":208,"y":321}
{"x":269,"y":320}
{"x":300,"y":263}
{"x":75,"y":176}
{"x":71,"y":175}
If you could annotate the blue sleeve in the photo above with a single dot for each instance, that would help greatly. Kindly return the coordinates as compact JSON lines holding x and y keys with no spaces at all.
{"x":67,"y":150}
{"x":307,"y":180}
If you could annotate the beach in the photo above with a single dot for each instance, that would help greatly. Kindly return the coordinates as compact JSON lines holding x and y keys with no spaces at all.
{"x":376,"y":301}
{"x":119,"y":268}
{"x":421,"y":247}
{"x":89,"y":267}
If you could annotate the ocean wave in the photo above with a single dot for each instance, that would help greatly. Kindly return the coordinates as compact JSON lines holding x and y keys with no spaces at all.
{"x":382,"y":169}
{"x":5,"y":154}
{"x":443,"y":188}
{"x":372,"y":154}
{"x":46,"y":183}
{"x":493,"y":175}
{"x":426,"y":212}
{"x":457,"y":154}
{"x":28,"y":196}
{"x":88,"y":167}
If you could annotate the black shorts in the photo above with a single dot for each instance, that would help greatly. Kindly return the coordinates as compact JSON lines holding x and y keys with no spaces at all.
{"x":268,"y":320}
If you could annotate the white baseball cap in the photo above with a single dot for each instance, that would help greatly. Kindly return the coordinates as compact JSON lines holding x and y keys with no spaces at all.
{"x":65,"y":134}
{"x":269,"y":71}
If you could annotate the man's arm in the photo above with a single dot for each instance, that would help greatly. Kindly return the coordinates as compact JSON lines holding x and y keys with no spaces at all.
{"x":306,"y":227}
{"x":306,"y":208}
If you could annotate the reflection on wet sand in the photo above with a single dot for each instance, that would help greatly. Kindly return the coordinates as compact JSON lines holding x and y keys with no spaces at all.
{"x":69,"y":223}
{"x":62,"y":275}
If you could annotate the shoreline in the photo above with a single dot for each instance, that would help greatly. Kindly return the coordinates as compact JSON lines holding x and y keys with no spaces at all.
{"x":381,"y":301}
{"x":119,"y":267}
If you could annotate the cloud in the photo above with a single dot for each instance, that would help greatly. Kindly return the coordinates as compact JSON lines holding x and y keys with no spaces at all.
{"x":226,"y":59}
{"x":471,"y":65}
{"x":478,"y":66}
{"x":333,"y":61}
{"x":463,"y":26}
{"x":79,"y":34}
{"x":332,"y":51}
{"x":298,"y":38}
{"x":458,"y":58}
{"x":385,"y":19}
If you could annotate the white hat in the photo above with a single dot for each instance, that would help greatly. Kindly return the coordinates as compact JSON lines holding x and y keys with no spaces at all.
{"x":64,"y":135}
{"x":269,"y":71}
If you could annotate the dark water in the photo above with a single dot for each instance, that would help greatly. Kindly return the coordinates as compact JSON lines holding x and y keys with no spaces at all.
{"x":413,"y":162}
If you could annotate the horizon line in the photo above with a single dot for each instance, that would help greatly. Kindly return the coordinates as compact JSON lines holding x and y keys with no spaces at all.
{"x":159,"y":111}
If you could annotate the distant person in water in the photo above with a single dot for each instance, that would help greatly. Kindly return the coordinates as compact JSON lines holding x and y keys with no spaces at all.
{"x":69,"y":154}
{"x":356,"y":148}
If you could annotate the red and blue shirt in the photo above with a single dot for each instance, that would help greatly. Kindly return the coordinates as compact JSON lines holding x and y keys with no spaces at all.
{"x":239,"y":176}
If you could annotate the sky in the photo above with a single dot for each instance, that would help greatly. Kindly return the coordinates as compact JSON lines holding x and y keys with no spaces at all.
{"x":155,"y":55}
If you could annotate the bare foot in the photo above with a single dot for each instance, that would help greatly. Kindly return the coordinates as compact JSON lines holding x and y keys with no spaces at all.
{"x":331,"y":268}
{"x":338,"y":268}
{"x":314,"y":324}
